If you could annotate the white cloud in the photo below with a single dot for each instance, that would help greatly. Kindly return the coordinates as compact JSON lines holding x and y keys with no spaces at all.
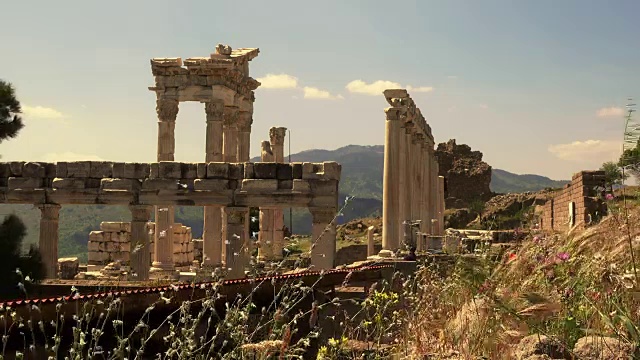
{"x":419,"y":89}
{"x":587,"y":151}
{"x":610,"y":112}
{"x":69,"y":156}
{"x":315,"y":93}
{"x":377,"y":87}
{"x":41,"y":112}
{"x":278,"y":81}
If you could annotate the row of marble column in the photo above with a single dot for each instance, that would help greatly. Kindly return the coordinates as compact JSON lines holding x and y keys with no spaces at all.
{"x":413,"y":193}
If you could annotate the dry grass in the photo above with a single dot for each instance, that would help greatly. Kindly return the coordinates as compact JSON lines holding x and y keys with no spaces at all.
{"x":564,"y":287}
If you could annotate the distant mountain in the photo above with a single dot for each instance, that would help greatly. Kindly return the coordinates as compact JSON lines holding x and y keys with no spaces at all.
{"x":506,"y":182}
{"x":361,"y":177}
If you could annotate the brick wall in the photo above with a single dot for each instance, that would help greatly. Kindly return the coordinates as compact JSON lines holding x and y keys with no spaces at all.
{"x":584,"y":192}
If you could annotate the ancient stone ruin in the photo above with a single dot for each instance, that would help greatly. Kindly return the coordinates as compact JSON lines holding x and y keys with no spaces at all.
{"x":467,"y":177}
{"x":226,"y":184}
{"x":413,"y":193}
{"x":578,"y":204}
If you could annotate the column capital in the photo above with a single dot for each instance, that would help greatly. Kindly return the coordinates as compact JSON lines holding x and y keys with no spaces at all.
{"x":245,"y":120}
{"x":140,"y":212}
{"x":395,"y":113}
{"x":167,"y":109}
{"x":230,"y":115}
{"x":323,"y":215}
{"x":49,"y":211}
{"x":214,"y":110}
{"x":277,"y":135}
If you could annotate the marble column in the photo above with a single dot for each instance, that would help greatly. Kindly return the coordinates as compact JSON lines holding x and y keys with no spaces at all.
{"x":277,"y":135}
{"x":48,"y":243}
{"x":244,"y":136}
{"x":323,"y":235}
{"x":406,"y":184}
{"x":391,"y":179}
{"x":235,"y":254}
{"x":419,"y":198}
{"x":140,"y":255}
{"x":229,"y":152}
{"x":265,"y":235}
{"x":371,"y":248}
{"x":212,"y":229}
{"x":441,"y":205}
{"x":167,"y":111}
{"x":230,"y":134}
{"x":415,"y":183}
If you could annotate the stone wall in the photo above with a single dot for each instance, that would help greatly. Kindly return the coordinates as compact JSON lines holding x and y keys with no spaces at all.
{"x":467,"y":177}
{"x":352,"y":253}
{"x":113,"y":243}
{"x":585,"y":193}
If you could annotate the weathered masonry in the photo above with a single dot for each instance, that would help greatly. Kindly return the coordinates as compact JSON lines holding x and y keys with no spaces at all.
{"x":232,"y":186}
{"x":222,"y":83}
{"x":413,"y":193}
{"x":577,"y":204}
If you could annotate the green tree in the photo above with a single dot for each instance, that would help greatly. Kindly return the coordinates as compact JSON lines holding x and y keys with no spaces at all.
{"x":12,"y":232}
{"x":613,"y":174}
{"x":630,"y":160}
{"x":10,"y":110}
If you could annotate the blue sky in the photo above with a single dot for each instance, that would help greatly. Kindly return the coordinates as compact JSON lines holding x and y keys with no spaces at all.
{"x":537,"y":86}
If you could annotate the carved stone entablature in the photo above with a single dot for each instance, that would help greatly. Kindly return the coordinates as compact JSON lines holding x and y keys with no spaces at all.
{"x":167,"y":109}
{"x":409,"y":127}
{"x":277,"y":135}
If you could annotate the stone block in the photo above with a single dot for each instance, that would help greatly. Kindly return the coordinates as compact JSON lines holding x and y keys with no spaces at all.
{"x":301,"y":185}
{"x":160,"y":184}
{"x":33,"y":169}
{"x":201,"y":170}
{"x":331,"y":170}
{"x":285,"y":184}
{"x":24,"y":183}
{"x":93,"y":245}
{"x":248,"y":171}
{"x":68,"y":183}
{"x":50,"y":170}
{"x":61,"y":169}
{"x":170,"y":170}
{"x":324,"y":187}
{"x":265,"y":170}
{"x":96,"y":236}
{"x":189,"y":170}
{"x":284,"y":172}
{"x":100,"y":169}
{"x":78,"y":169}
{"x":296,"y":169}
{"x":92,"y":183}
{"x":5,"y":170}
{"x":259,"y":185}
{"x":211,"y":184}
{"x":136,"y":170}
{"x":120,"y":184}
{"x":16,"y":168}
{"x":112,"y":226}
{"x":117,"y":170}
{"x":311,"y":171}
{"x":154,"y":171}
{"x":236,"y":171}
{"x":217,"y":170}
